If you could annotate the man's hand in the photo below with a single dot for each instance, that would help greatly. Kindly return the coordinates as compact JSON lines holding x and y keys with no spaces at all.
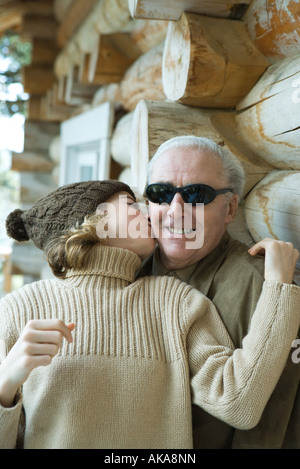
{"x":36,"y":346}
{"x":280,"y":259}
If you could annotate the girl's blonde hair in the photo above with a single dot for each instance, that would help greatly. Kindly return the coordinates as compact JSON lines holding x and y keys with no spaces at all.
{"x":73,"y":250}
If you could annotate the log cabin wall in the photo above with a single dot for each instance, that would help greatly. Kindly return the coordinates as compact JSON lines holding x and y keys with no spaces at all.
{"x":225,"y":69}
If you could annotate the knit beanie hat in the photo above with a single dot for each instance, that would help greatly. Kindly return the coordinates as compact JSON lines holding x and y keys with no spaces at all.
{"x":60,"y":210}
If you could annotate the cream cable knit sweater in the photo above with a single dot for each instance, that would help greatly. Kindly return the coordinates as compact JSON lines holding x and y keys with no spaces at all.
{"x":142,"y":352}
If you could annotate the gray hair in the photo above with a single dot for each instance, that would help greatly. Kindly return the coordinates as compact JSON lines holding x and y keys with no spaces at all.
{"x":233,"y":169}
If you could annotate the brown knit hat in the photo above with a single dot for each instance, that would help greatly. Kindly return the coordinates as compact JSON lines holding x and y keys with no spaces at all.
{"x":52,"y":215}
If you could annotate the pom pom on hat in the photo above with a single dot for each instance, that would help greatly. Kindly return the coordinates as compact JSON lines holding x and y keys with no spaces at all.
{"x":15,"y":227}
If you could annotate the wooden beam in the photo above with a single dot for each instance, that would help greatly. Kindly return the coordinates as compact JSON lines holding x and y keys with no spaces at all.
{"x":172,"y":9}
{"x":41,"y":27}
{"x":28,"y":7}
{"x":39,"y":135}
{"x":34,"y":107}
{"x":79,"y":10}
{"x":9,"y":20}
{"x":33,"y":162}
{"x":61,"y":8}
{"x":110,"y":60}
{"x":37,"y":80}
{"x":76,"y":93}
{"x":44,"y":51}
{"x":6,"y":2}
{"x":38,"y":8}
{"x":53,"y":112}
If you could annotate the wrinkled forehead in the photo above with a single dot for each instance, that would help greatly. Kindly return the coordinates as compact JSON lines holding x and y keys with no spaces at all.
{"x":181,"y":166}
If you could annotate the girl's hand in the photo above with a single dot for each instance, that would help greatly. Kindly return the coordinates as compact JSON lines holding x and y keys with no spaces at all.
{"x":36,"y":346}
{"x":280,"y":259}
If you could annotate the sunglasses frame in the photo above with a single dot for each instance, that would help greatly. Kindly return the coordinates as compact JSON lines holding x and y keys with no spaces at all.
{"x":211,"y":190}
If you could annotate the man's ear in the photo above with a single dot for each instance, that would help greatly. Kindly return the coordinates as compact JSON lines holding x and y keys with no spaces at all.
{"x":232,"y":209}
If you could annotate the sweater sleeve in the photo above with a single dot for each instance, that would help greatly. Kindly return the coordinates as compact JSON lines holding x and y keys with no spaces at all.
{"x":9,"y":417}
{"x":235,"y":385}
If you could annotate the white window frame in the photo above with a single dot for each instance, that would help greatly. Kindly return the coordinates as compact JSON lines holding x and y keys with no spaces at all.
{"x":85,"y":145}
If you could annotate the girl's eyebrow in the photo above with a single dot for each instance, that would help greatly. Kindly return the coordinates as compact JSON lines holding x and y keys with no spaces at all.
{"x":131,"y":198}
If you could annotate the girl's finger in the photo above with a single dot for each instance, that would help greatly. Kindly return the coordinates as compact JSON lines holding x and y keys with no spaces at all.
{"x":52,"y":325}
{"x":41,"y":349}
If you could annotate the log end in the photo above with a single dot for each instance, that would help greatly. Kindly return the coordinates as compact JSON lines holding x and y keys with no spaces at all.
{"x":176,"y":59}
{"x":140,"y":153}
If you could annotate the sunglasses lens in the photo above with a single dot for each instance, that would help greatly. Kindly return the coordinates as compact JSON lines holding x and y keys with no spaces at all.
{"x":198,"y":194}
{"x":159,"y":193}
{"x":191,"y":194}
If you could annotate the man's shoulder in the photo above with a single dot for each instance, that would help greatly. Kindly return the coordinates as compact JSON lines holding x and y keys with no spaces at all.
{"x":238,"y":257}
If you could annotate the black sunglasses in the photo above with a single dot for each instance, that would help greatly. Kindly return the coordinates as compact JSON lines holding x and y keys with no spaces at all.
{"x":161,"y":192}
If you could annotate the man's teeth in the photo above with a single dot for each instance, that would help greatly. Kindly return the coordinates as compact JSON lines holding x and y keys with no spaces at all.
{"x":180,"y":231}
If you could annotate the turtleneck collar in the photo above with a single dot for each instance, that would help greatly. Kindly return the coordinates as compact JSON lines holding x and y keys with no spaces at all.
{"x":109,"y":261}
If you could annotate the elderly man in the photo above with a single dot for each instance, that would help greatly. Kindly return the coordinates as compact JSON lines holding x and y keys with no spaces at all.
{"x":195,"y":176}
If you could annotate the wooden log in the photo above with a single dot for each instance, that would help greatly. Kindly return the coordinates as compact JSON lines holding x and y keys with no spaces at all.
{"x":74,"y":17}
{"x":125,"y":176}
{"x":43,"y":52}
{"x":109,"y":61}
{"x":172,"y":9}
{"x":268,"y":119}
{"x":52,"y":112}
{"x":55,"y":149}
{"x":110,"y":16}
{"x":5,"y":259}
{"x":37,"y":79}
{"x":274,"y":26}
{"x":120,"y":143}
{"x":255,"y":168}
{"x":62,"y":66}
{"x":272,"y":208}
{"x":147,"y":34}
{"x":210,"y":62}
{"x":34,"y":186}
{"x":38,"y":27}
{"x":21,"y":252}
{"x":33,"y":162}
{"x":61,"y":8}
{"x":37,"y":8}
{"x":143,"y":80}
{"x":38,"y":135}
{"x":155,"y":122}
{"x":34,"y":107}
{"x":10,"y":19}
{"x":77,"y":93}
{"x":111,"y":93}
{"x":11,"y":13}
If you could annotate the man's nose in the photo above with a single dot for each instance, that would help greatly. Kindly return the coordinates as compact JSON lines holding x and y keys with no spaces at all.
{"x":176,"y":207}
